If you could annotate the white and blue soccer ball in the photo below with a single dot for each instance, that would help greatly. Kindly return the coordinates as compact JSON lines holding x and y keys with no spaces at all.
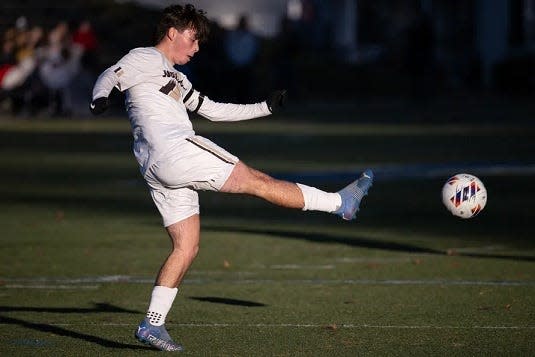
{"x":464,"y":195}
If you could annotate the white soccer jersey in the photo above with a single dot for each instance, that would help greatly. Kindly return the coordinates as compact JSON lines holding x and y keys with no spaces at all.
{"x":157,"y":100}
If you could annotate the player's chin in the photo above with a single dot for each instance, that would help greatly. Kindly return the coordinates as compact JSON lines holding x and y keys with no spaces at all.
{"x":185,"y":60}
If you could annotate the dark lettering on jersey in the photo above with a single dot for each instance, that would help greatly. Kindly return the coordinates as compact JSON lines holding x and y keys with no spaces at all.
{"x":166,"y":89}
{"x":173,"y":75}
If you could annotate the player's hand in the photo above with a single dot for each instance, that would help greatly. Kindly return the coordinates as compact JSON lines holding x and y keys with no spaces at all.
{"x":276,"y":100}
{"x":99,"y":105}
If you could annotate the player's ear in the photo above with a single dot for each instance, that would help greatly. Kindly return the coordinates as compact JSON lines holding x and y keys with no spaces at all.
{"x":171,"y":33}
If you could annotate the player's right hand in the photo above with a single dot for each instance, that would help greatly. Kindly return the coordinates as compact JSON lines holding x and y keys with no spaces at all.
{"x":99,"y":105}
{"x":276,"y":100}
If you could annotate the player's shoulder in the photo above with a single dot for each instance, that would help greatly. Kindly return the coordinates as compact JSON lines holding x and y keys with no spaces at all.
{"x":149,"y":55}
{"x":145,"y":52}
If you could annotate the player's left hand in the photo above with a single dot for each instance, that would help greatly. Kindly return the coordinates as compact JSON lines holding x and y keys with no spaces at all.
{"x":99,"y":105}
{"x":276,"y":100}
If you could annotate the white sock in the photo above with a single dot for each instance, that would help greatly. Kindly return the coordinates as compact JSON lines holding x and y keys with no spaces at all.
{"x":317,"y":200}
{"x":160,"y":303}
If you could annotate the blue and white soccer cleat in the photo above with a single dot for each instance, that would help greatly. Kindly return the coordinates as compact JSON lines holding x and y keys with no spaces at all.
{"x":352,"y":194}
{"x":157,"y":337}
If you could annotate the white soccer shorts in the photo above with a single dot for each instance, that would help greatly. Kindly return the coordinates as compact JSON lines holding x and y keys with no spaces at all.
{"x":195,"y":164}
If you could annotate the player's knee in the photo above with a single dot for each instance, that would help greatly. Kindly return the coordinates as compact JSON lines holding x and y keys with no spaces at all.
{"x":245,"y":179}
{"x":193,"y":252}
{"x":186,"y":254}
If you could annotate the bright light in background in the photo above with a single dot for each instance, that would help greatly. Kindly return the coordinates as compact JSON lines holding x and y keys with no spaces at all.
{"x":294,"y":9}
{"x":264,"y":16}
{"x":229,"y":21}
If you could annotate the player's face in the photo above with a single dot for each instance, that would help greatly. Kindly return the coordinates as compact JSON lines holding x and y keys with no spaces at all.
{"x":186,"y":46}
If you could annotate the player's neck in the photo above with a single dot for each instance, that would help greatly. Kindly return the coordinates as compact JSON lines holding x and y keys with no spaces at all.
{"x":165,"y":51}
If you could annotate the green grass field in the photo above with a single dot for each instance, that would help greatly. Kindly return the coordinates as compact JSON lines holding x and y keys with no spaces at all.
{"x":81,"y":243}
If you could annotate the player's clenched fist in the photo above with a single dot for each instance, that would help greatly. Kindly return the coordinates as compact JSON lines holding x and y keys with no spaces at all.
{"x":276,"y":100}
{"x":99,"y":105}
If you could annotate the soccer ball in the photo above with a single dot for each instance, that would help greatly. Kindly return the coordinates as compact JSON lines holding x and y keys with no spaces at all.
{"x":464,"y":195}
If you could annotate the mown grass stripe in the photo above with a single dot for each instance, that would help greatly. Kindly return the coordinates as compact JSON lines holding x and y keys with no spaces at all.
{"x":32,"y":282}
{"x":308,"y":325}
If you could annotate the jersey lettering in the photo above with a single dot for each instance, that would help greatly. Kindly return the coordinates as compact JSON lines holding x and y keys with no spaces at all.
{"x":173,"y":75}
{"x":168,"y":87}
{"x":171,"y":90}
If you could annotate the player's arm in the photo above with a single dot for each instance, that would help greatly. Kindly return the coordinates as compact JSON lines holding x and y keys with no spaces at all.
{"x":129,"y":71}
{"x":102,"y":89}
{"x":215,"y":111}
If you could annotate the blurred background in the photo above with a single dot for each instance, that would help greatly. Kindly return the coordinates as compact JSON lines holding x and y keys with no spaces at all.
{"x":328,"y":54}
{"x":417,"y":90}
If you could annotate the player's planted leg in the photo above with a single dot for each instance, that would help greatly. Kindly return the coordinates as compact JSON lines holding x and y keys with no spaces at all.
{"x":156,"y":336}
{"x":185,"y":236}
{"x":352,"y":195}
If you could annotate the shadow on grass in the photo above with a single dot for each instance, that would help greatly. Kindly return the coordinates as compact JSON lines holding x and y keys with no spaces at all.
{"x":226,"y":301}
{"x":99,"y":308}
{"x":363,"y":243}
{"x":61,"y":331}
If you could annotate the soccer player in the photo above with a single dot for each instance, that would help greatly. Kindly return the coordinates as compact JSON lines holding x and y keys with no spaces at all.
{"x":176,"y":163}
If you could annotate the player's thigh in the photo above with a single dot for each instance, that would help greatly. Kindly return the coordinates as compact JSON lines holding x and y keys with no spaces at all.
{"x":185,"y":234}
{"x":174,"y":204}
{"x":197,"y":163}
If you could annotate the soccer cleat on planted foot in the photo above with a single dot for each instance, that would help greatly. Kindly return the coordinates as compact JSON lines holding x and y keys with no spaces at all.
{"x":157,"y":337}
{"x":352,"y":194}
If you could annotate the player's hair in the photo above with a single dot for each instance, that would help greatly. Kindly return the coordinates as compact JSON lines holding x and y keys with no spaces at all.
{"x":183,"y":18}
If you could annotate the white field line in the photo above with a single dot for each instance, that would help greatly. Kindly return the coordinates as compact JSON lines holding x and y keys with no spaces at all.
{"x":43,"y":282}
{"x":392,"y":260}
{"x":305,"y":325}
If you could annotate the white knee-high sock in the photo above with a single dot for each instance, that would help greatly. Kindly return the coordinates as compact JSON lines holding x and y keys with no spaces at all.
{"x":160,"y":303}
{"x":317,"y":200}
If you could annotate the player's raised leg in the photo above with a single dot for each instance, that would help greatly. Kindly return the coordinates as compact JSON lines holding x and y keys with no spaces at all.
{"x":247,"y":180}
{"x":185,"y":239}
{"x":344,"y":203}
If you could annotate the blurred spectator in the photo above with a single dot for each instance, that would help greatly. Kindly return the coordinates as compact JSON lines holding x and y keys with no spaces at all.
{"x":39,"y":71}
{"x":81,"y":86}
{"x":21,"y":24}
{"x":85,"y":37}
{"x":17,"y":64}
{"x":8,"y":47}
{"x":13,"y":75}
{"x":28,"y":42}
{"x":241,"y":48}
{"x":59,"y":64}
